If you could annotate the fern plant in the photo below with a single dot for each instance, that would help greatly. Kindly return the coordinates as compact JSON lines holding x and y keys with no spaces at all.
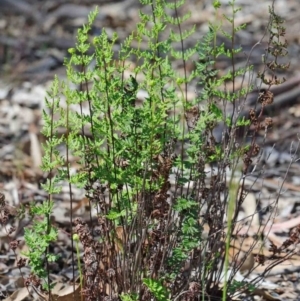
{"x":143,"y":162}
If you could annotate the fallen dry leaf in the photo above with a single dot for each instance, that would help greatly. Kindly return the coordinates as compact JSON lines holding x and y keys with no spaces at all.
{"x":66,"y":294}
{"x":18,"y":295}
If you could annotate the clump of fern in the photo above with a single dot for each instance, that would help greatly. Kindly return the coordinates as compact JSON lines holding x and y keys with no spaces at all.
{"x":152,"y":238}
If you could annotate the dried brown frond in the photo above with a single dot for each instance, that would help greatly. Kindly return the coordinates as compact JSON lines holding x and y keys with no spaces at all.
{"x":266,"y":97}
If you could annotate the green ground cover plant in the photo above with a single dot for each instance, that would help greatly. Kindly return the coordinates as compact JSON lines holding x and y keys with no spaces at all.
{"x":153,"y":168}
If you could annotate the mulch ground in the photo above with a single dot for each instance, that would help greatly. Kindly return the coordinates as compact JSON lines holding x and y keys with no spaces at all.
{"x":34,"y":39}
